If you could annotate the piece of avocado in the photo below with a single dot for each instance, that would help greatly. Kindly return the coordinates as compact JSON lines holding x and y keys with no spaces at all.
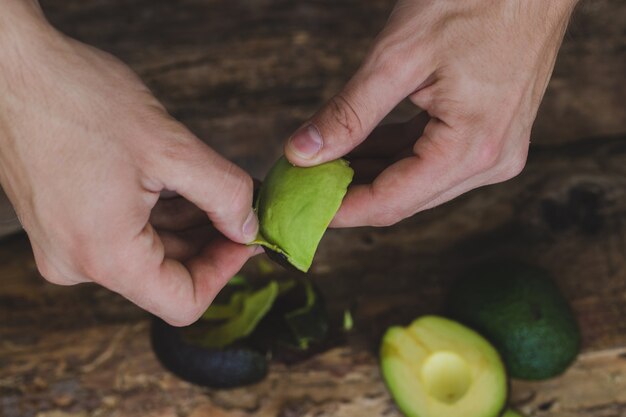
{"x":511,"y":413}
{"x":213,"y":368}
{"x":295,"y":205}
{"x":253,"y":306}
{"x":247,"y":323}
{"x":297,"y":321}
{"x":520,"y":309}
{"x":439,"y":368}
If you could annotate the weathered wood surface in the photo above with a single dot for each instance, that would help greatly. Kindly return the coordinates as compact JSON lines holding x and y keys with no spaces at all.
{"x":86,"y":350}
{"x":242,"y":75}
{"x":118,"y":376}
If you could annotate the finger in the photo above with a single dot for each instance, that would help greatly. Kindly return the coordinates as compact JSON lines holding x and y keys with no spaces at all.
{"x":349,"y":117}
{"x":177,"y":293}
{"x":441,"y":161}
{"x":176,"y":214}
{"x":511,"y":162}
{"x":213,"y":184}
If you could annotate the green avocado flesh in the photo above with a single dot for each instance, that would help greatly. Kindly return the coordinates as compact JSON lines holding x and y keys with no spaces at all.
{"x":511,"y":413}
{"x":248,"y":322}
{"x":520,"y":309}
{"x":295,"y":206}
{"x":245,"y":311}
{"x":439,"y":368}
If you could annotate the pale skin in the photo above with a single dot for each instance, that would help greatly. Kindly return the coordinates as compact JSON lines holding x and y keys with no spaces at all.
{"x":477,"y":68}
{"x":86,"y":151}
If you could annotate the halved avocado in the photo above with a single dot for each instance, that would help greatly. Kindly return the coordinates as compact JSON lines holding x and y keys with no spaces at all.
{"x":439,"y":368}
{"x":295,"y":206}
{"x":213,"y":368}
{"x":231,"y":343}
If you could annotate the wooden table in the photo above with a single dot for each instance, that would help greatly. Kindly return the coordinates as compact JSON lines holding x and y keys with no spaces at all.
{"x":243,"y":75}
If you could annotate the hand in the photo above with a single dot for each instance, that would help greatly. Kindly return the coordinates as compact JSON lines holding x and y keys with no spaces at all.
{"x":477,"y":68}
{"x":86,"y":151}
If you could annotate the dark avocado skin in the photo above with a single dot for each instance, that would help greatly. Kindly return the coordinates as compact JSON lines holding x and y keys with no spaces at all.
{"x":520,"y":309}
{"x":229,"y":368}
{"x":281,"y":260}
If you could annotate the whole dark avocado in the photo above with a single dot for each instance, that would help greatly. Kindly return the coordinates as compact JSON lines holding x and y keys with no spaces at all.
{"x":520,"y":309}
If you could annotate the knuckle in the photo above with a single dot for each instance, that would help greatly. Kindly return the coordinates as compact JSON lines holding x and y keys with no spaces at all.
{"x":488,"y":155}
{"x":188,"y":316}
{"x":178,"y":148}
{"x":384,"y":60}
{"x":237,"y":189}
{"x":389,"y":54}
{"x":511,"y":168}
{"x":94,"y":268}
{"x":387,"y":214}
{"x":101,"y":264}
{"x":242,"y":188}
{"x":50,"y":273}
{"x":344,"y":114}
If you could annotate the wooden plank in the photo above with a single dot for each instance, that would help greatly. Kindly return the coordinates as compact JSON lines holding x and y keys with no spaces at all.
{"x":230,"y":68}
{"x":114,"y":373}
{"x":566,"y":212}
{"x":227,"y":69}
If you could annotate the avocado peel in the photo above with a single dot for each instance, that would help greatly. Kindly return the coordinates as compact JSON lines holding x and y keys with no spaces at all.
{"x":295,"y":205}
{"x":249,"y":322}
{"x":215,"y":368}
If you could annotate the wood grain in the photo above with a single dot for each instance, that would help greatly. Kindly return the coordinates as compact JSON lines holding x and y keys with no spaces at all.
{"x":243,"y":75}
{"x":83,"y":348}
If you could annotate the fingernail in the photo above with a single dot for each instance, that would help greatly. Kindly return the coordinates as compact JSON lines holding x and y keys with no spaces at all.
{"x":306,"y":142}
{"x":250,"y":226}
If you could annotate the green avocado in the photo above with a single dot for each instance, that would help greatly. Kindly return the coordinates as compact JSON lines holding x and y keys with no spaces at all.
{"x":248,"y":323}
{"x":295,"y":206}
{"x":252,"y":306}
{"x":511,"y":413}
{"x":215,"y":368}
{"x":439,"y":368}
{"x":520,"y":309}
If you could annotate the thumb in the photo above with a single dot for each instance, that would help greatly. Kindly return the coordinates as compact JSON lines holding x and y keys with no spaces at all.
{"x":346,"y":120}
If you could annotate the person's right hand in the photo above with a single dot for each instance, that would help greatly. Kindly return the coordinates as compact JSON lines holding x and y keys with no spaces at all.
{"x":85,"y":152}
{"x":478,"y":69}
